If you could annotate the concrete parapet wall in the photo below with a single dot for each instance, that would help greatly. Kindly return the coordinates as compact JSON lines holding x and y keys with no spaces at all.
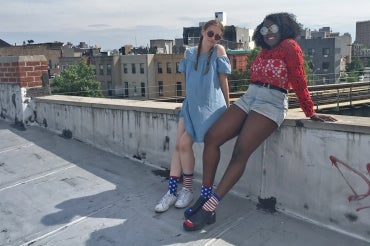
{"x":135,"y":129}
{"x":21,"y":78}
{"x":292,"y":165}
{"x":15,"y":105}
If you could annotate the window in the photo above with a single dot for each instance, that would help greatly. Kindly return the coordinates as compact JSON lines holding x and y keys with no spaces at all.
{"x":133,"y":68}
{"x":101,"y":69}
{"x":325,"y":52}
{"x":169,"y":67}
{"x":126,"y":90}
{"x":177,"y":67}
{"x":110,"y":91}
{"x":124,"y":68}
{"x":178,"y":89}
{"x":311,"y":52}
{"x":160,"y":88}
{"x":141,"y":68}
{"x":142,"y":89}
{"x":159,"y":67}
{"x":109,"y":69}
{"x":135,"y":88}
{"x":325,"y":66}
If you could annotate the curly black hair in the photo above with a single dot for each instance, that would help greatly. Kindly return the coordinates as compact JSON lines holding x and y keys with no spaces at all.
{"x":288,"y":28}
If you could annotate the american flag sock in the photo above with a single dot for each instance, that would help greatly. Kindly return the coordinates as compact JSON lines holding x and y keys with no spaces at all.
{"x":206,"y":191}
{"x":212,"y":203}
{"x":172,"y":184}
{"x":187,"y":181}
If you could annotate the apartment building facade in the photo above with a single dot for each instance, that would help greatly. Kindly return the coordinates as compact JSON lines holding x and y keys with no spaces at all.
{"x":169,"y":81}
{"x":363,"y":33}
{"x":327,"y":53}
{"x":107,"y":72}
{"x":136,"y":77}
{"x":162,"y":73}
{"x":361,"y":46}
{"x":238,"y":59}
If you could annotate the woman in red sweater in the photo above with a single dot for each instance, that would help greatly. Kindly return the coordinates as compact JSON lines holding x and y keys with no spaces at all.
{"x":255,"y":116}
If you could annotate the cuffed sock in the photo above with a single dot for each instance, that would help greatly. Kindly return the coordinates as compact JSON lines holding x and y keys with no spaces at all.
{"x":212,"y":203}
{"x":172,"y":184}
{"x":206,"y":191}
{"x":187,"y":181}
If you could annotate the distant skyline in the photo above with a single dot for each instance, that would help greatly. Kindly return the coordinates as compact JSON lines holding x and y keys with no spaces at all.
{"x":113,"y":23}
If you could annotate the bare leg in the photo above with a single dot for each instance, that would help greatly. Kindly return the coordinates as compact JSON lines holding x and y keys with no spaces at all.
{"x":225,"y":128}
{"x":183,"y":159}
{"x":175,"y":169}
{"x":186,"y":153}
{"x":255,"y":130}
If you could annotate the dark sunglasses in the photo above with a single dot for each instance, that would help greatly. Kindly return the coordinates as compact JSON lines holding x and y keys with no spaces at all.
{"x":273,"y":29}
{"x":211,"y":34}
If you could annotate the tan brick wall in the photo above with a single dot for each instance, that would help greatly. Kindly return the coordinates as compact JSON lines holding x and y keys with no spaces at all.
{"x":169,"y":79}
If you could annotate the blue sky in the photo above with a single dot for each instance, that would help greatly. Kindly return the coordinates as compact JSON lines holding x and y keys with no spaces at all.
{"x":110,"y":24}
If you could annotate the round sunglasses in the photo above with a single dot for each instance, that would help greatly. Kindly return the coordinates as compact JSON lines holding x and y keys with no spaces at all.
{"x":211,"y":34}
{"x":273,"y":29}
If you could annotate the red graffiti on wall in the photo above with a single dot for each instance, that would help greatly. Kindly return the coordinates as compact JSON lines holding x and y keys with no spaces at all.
{"x":355,"y":196}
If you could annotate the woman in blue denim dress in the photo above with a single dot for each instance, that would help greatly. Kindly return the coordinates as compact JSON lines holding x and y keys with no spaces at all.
{"x":207,"y":97}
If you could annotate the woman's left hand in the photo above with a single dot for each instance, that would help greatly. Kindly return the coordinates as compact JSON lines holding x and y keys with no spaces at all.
{"x":322,"y":118}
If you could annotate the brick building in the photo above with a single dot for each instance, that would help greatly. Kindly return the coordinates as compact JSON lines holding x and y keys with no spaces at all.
{"x":51,"y":51}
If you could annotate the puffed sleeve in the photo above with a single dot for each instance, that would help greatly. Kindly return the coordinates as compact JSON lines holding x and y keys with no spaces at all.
{"x":182,"y":65}
{"x":223,"y":65}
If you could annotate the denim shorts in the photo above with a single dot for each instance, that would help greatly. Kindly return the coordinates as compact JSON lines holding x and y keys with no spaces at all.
{"x":269,"y":102}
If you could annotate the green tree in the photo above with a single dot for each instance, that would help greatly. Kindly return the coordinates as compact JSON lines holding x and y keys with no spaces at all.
{"x":354,"y":69}
{"x":308,"y":69}
{"x":352,"y":76}
{"x":77,"y":80}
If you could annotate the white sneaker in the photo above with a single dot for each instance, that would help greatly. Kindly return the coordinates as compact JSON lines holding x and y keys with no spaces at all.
{"x":164,"y":204}
{"x":184,"y":198}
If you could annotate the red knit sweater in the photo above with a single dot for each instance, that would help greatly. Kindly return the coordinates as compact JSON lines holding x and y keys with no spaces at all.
{"x":283,"y":66}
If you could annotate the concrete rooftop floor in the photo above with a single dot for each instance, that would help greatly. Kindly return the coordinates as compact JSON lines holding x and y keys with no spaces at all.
{"x":57,"y":191}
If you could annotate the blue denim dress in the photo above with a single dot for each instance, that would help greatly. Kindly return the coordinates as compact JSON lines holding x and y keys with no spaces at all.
{"x":204,"y":102}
